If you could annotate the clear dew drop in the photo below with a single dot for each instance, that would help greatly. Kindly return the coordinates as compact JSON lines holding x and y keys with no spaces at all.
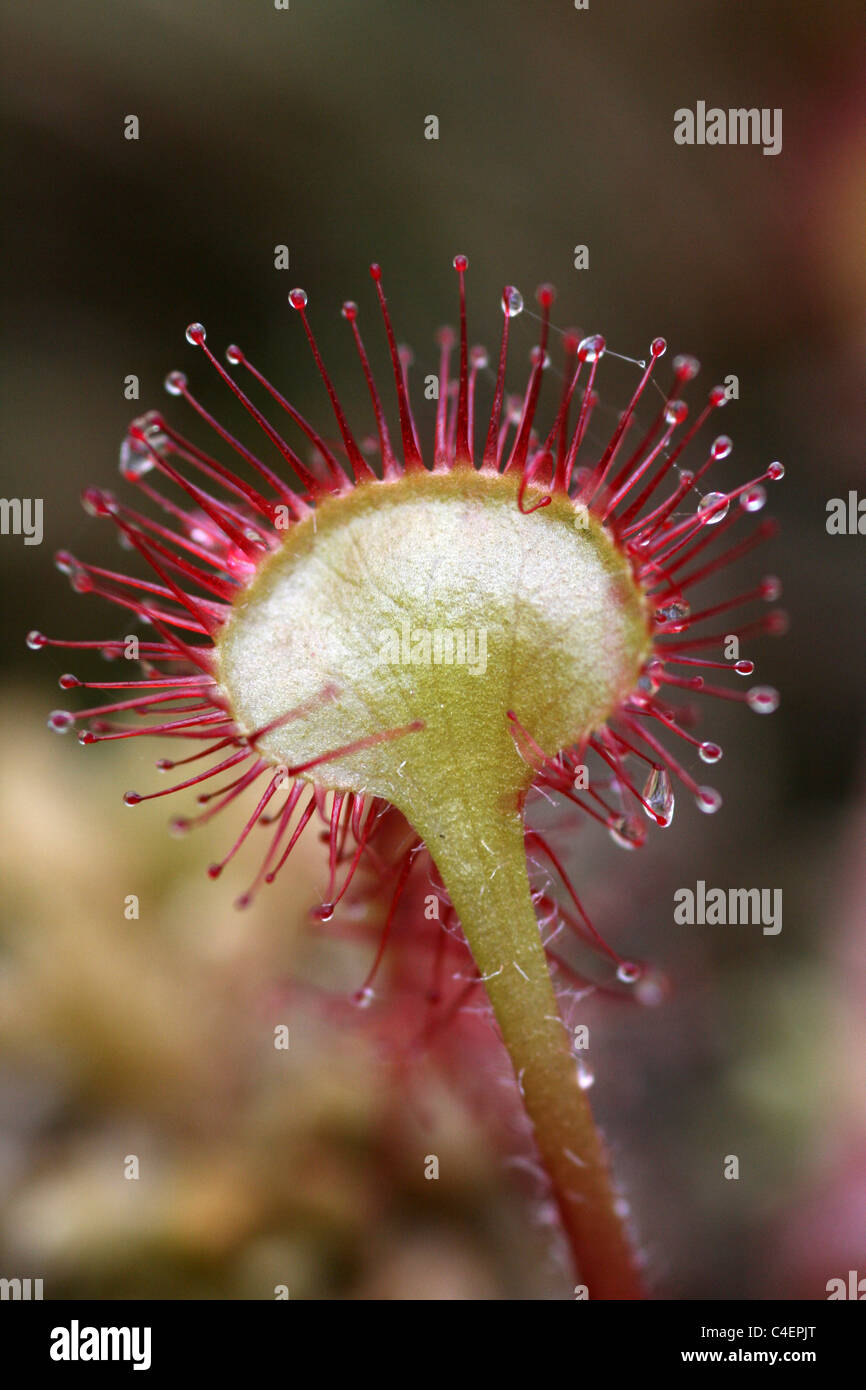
{"x":776,"y":471}
{"x":195,"y":334}
{"x":771,"y":588}
{"x":709,"y":752}
{"x":585,"y":1076}
{"x":363,"y":998}
{"x":60,"y":721}
{"x":714,"y":507}
{"x":674,"y":615}
{"x":151,"y":424}
{"x":628,"y":972}
{"x":753,"y":499}
{"x":298,"y":298}
{"x":686,"y":366}
{"x":722,"y":447}
{"x":763,"y":699}
{"x":592,"y":348}
{"x":36,"y":640}
{"x":512,"y":301}
{"x":135,"y":459}
{"x":708,"y":800}
{"x":175,"y":383}
{"x":97,"y":501}
{"x":659,"y":795}
{"x":675,"y":412}
{"x":234,"y":355}
{"x":626,"y":832}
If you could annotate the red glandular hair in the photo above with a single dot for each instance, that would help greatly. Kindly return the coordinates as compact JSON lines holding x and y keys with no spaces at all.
{"x":207,"y":529}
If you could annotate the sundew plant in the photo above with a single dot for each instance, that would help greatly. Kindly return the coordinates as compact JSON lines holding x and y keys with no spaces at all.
{"x":404,"y":644}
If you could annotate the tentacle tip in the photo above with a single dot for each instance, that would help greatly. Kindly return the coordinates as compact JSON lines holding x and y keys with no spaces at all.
{"x":60,"y":721}
{"x":512,"y":301}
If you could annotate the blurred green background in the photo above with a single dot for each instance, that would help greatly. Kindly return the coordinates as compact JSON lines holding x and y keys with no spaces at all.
{"x":306,"y":128}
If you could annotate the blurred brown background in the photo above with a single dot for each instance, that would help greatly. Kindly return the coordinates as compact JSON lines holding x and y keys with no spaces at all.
{"x":153,"y":1037}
